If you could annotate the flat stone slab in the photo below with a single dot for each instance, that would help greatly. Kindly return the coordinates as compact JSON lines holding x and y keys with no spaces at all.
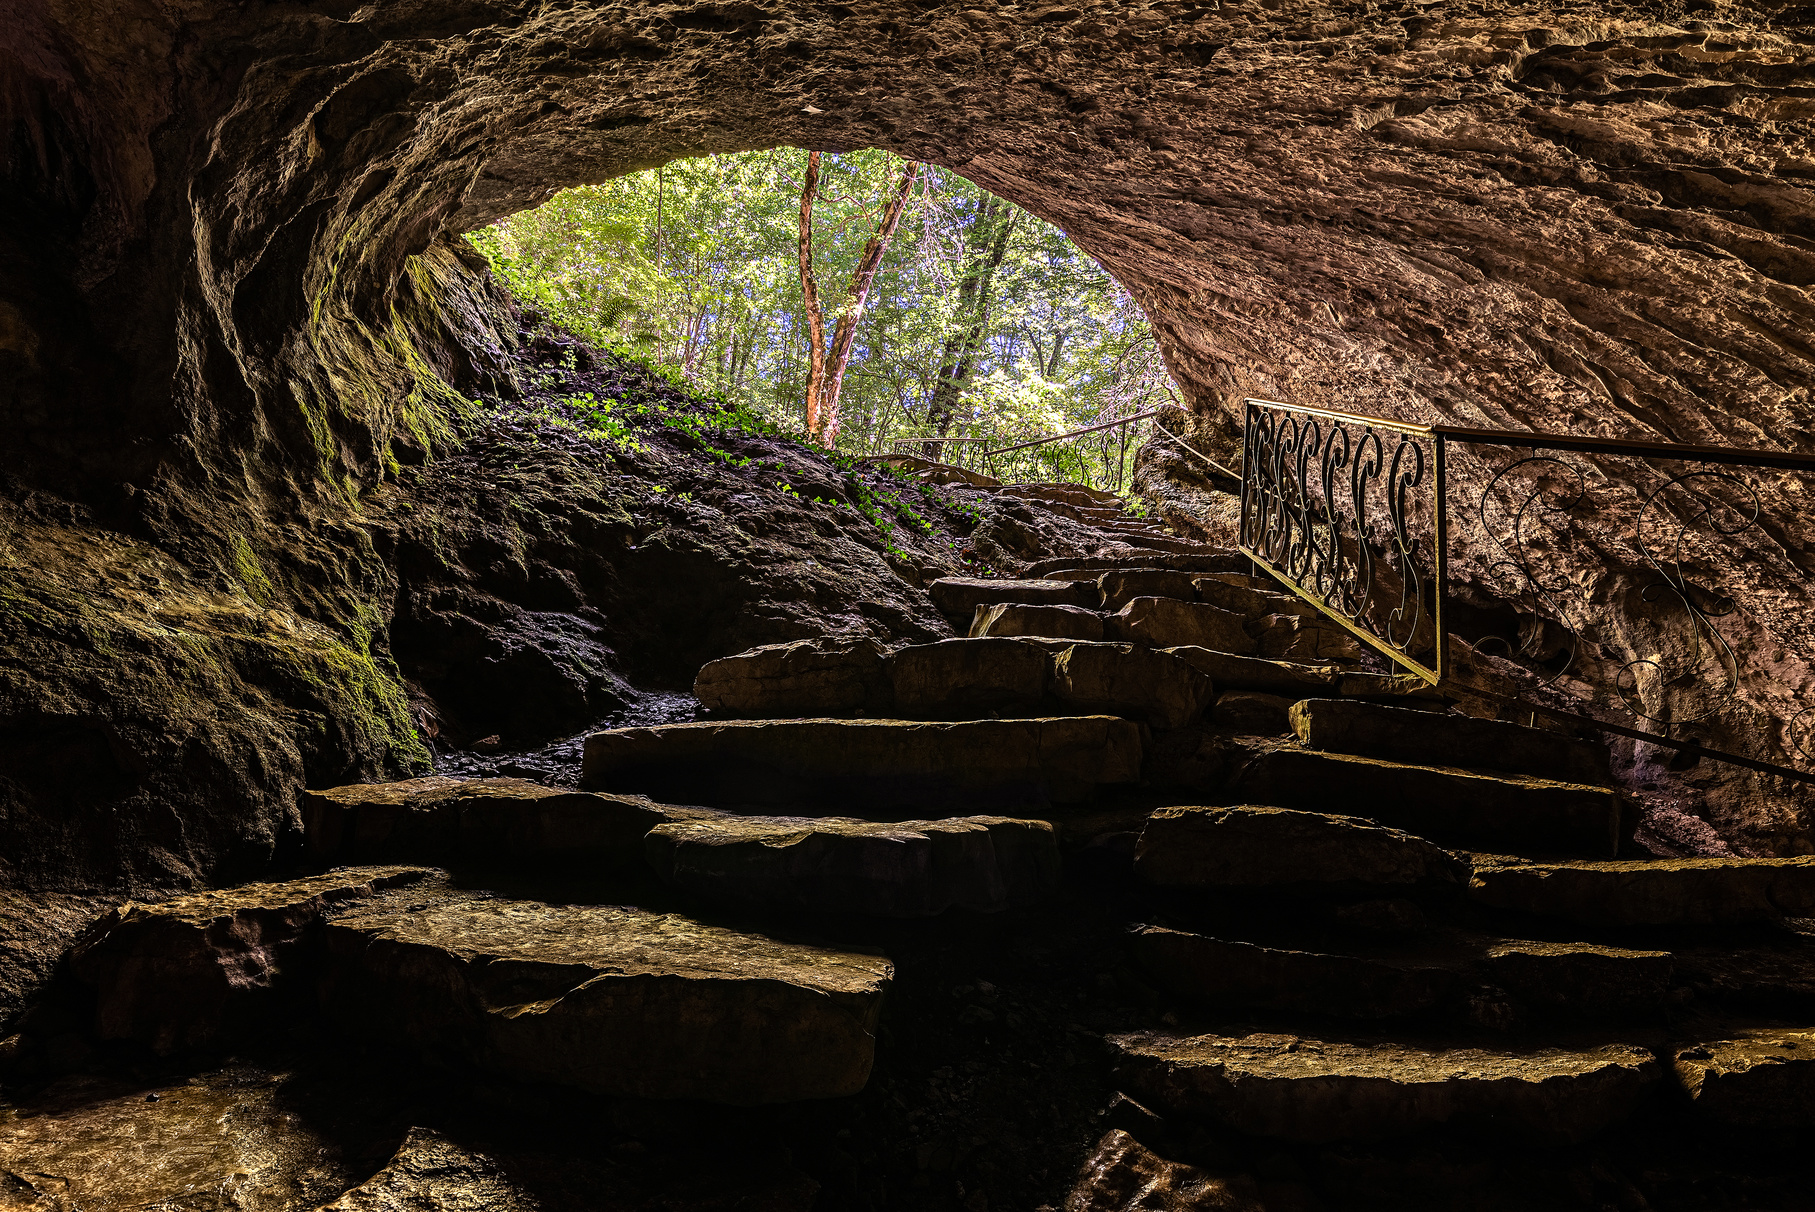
{"x":839,"y":865}
{"x":619,"y":1001}
{"x":1232,"y":672}
{"x":958,"y":597}
{"x":1222,"y":972}
{"x":1507,"y":814}
{"x":1759,"y":1078}
{"x":452,"y":822}
{"x":198,"y":970}
{"x":1170,"y":623}
{"x":1254,"y":847}
{"x":1253,"y":713}
{"x":1653,"y":892}
{"x":969,"y":677}
{"x":1132,"y":681}
{"x":831,"y":675}
{"x":1312,"y":1090}
{"x":1251,"y":597}
{"x":870,"y":767}
{"x":1425,"y":738}
{"x":1463,"y":976}
{"x":1122,"y":586}
{"x":1053,"y":622}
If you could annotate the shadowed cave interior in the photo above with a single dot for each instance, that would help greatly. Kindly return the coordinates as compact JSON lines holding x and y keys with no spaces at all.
{"x":277,"y":536}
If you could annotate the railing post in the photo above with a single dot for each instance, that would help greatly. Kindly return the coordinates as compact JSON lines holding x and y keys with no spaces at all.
{"x":1440,"y":558}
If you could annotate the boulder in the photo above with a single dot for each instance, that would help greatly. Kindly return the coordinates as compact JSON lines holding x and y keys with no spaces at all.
{"x":839,"y":865}
{"x":1317,"y":1090}
{"x":969,"y":677}
{"x":1505,"y":814}
{"x":198,"y":971}
{"x":430,"y":1173}
{"x":958,"y":597}
{"x":1218,"y":972}
{"x":618,"y":1001}
{"x":1055,"y":622}
{"x":871,"y":767}
{"x":1232,"y":672}
{"x":1201,"y":561}
{"x":1122,"y":586}
{"x":1254,"y":713}
{"x":1404,"y":734}
{"x":1121,"y":1175}
{"x":1303,"y":638}
{"x":215,"y":1141}
{"x":1254,"y":847}
{"x":1762,"y":1078}
{"x":1170,"y":623}
{"x":1130,"y":680}
{"x":1575,"y":980}
{"x":1652,"y":892}
{"x":832,"y":675}
{"x":490,"y":823}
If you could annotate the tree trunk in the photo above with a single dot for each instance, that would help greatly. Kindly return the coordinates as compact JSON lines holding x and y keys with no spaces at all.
{"x":986,"y":247}
{"x":809,"y":297}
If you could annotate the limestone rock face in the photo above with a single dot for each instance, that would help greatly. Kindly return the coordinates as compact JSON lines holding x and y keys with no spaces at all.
{"x":1122,"y":586}
{"x":1422,"y":738}
{"x":1170,"y":623}
{"x":958,"y":597}
{"x":828,"y":676}
{"x":1122,"y":1176}
{"x":1130,"y":680}
{"x":1763,"y":1078}
{"x":838,"y":865}
{"x":482,"y":823}
{"x":847,"y":767}
{"x":1058,"y":622}
{"x":196,"y":970}
{"x":1317,"y":1090}
{"x":1653,"y":892}
{"x":1252,"y":847}
{"x":619,"y":1001}
{"x":431,"y":1173}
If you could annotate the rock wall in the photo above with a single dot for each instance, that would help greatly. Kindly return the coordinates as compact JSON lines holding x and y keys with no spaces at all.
{"x":227,"y":313}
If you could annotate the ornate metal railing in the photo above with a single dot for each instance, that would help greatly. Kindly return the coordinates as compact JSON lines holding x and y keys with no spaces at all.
{"x":1354,"y":514}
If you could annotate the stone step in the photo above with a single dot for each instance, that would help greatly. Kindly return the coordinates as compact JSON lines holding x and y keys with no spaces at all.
{"x":1492,"y":982}
{"x":1761,"y":1077}
{"x":485,"y":823}
{"x":1164,"y":622}
{"x":1324,"y":1090}
{"x":1078,"y":494}
{"x":1651,"y":892}
{"x":869,"y":768}
{"x":977,"y":676}
{"x":1505,"y":814}
{"x":430,"y":1173}
{"x":1294,"y":681}
{"x":1260,"y":847}
{"x":957,"y":598}
{"x":617,"y":1001}
{"x":1046,"y":622}
{"x":1206,"y":560}
{"x":985,"y":864}
{"x":1423,"y":738}
{"x":201,"y":970}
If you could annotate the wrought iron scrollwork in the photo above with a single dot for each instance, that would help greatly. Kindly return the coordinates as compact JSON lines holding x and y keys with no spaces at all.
{"x":1517,"y":572}
{"x":1327,"y":504}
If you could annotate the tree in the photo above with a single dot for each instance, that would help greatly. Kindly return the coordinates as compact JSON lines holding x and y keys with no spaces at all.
{"x":826,"y":368}
{"x":985,"y":248}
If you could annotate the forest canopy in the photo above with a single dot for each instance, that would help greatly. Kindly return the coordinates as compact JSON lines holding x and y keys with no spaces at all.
{"x":980,"y":320}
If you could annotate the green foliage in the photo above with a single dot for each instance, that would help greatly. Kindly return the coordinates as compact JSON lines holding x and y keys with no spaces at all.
{"x":692,"y":271}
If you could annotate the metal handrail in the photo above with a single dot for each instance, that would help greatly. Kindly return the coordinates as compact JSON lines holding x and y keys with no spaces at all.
{"x":1297,"y":526}
{"x":1076,"y":433}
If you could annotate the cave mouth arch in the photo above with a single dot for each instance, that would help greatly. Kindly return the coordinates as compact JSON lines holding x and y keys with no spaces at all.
{"x":230,"y":302}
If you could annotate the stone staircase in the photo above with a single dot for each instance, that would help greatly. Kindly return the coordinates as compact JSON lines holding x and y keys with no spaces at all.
{"x":1366,"y":916}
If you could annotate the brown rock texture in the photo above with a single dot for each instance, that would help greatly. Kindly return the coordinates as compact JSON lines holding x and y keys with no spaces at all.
{"x":807,"y":677}
{"x":1170,"y":623}
{"x":959,"y":597}
{"x":1122,"y":1176}
{"x":1765,"y":1077}
{"x":1316,"y":1090}
{"x":1249,"y":847}
{"x":618,"y":1001}
{"x":431,"y":1173}
{"x":1057,"y":622}
{"x":1654,"y":892}
{"x":1403,"y":734}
